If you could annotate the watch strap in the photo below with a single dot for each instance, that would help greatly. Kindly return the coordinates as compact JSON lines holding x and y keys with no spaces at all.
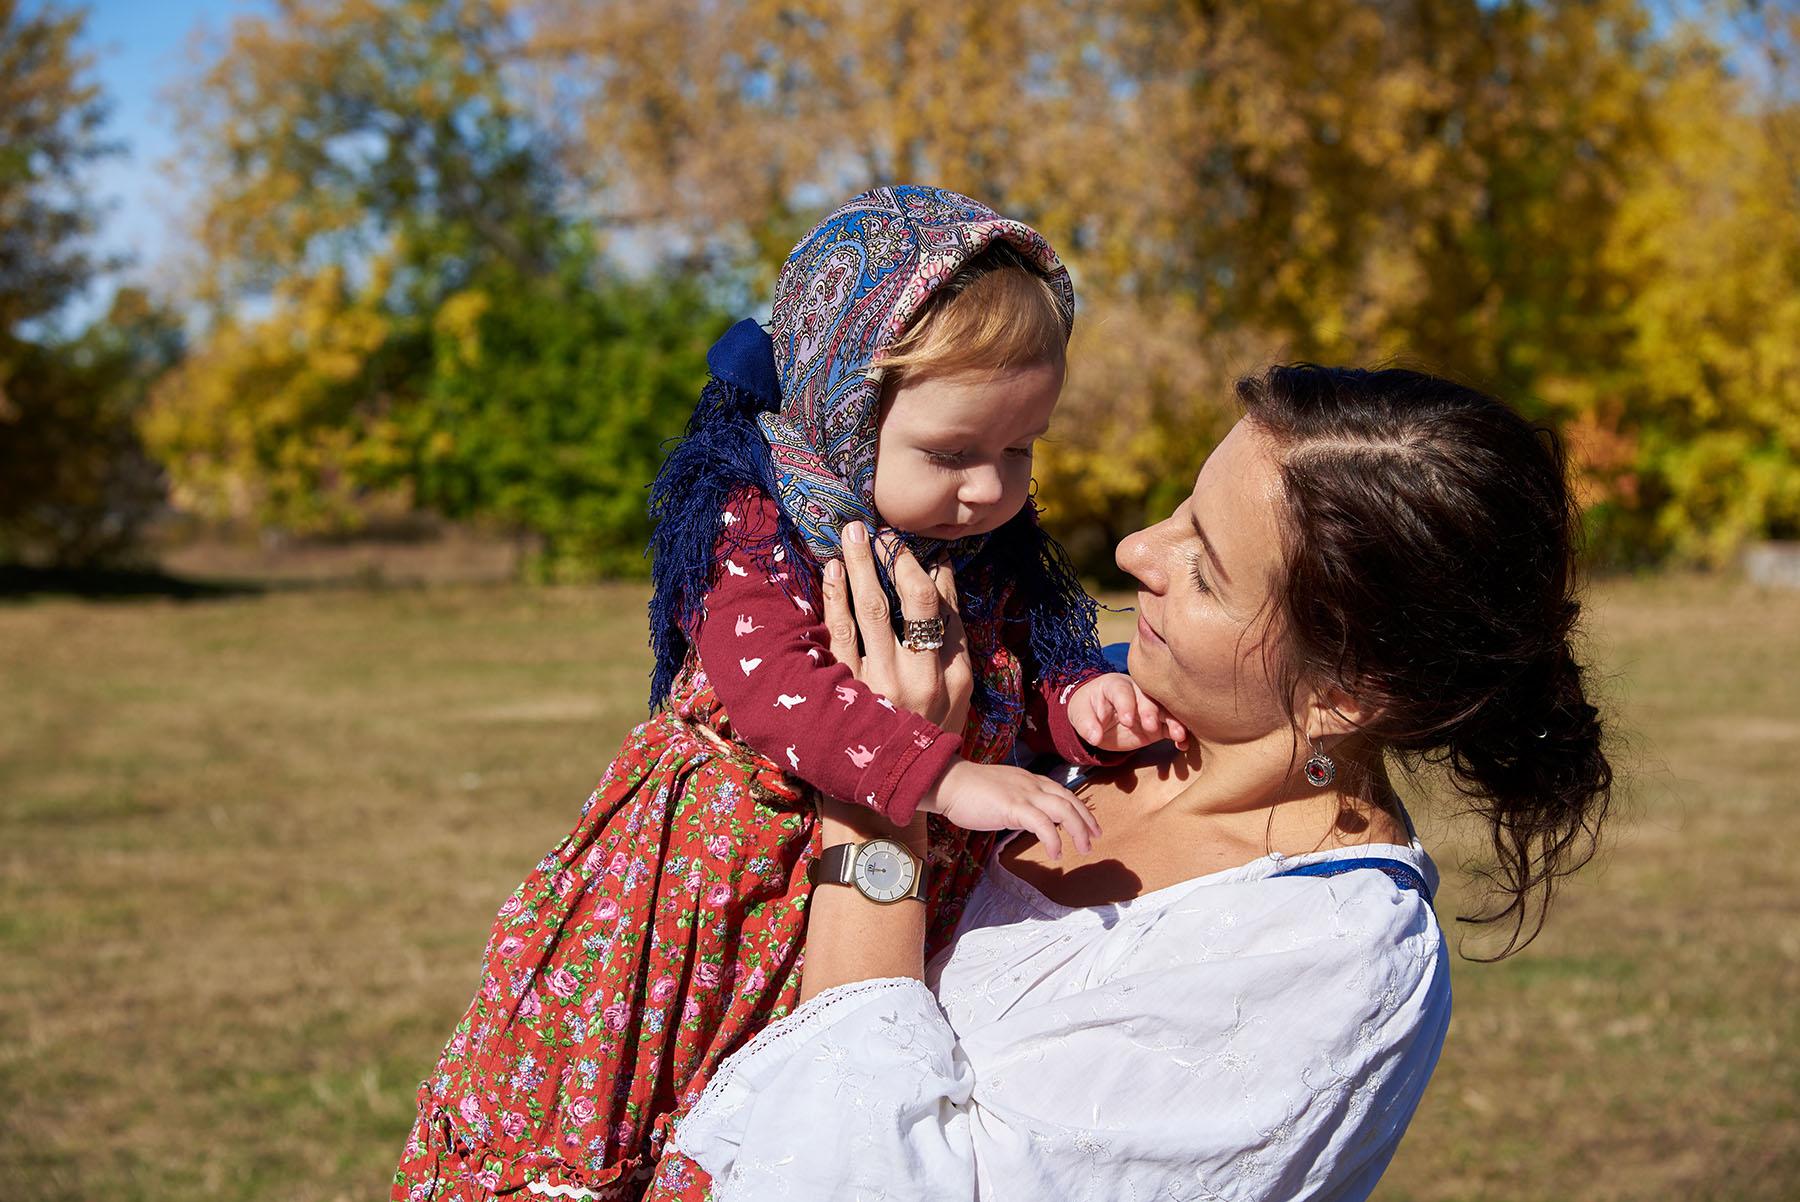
{"x":836,"y":865}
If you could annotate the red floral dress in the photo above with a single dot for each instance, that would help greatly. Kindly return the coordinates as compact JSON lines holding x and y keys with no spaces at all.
{"x":652,"y":942}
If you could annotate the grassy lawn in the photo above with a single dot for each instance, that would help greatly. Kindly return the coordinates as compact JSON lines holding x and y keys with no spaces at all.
{"x":251,"y":847}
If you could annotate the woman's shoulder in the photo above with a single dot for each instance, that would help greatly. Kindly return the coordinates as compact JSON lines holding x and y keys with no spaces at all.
{"x":1355,"y":919}
{"x":1357,"y":915}
{"x":1328,"y":969}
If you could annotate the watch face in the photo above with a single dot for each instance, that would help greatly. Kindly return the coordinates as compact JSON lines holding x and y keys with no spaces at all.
{"x":884,"y":871}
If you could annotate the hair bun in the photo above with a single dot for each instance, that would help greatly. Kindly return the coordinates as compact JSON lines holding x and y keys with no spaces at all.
{"x":1389,"y":479}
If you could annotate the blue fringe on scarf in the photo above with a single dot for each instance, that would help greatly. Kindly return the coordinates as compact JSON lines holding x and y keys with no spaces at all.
{"x":724,"y":450}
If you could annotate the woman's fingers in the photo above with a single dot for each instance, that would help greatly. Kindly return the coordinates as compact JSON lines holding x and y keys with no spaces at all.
{"x":944,"y":577}
{"x":917,"y":592}
{"x":840,"y":622}
{"x":869,"y":602}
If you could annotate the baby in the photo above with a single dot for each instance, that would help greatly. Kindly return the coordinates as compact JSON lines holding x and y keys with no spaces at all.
{"x":915,"y":354}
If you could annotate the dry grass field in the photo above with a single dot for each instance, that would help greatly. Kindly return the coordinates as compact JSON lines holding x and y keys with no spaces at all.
{"x":251,"y":846}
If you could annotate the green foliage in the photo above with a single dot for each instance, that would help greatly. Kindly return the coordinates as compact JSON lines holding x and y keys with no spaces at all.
{"x":539,"y":404}
{"x":50,"y":115}
{"x":548,"y":405}
{"x":75,"y":482}
{"x":76,"y":485}
{"x":1586,"y":207}
{"x":440,"y":334}
{"x":1709,"y":231}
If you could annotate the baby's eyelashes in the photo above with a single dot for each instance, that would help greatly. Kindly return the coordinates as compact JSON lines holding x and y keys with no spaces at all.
{"x":961,"y":458}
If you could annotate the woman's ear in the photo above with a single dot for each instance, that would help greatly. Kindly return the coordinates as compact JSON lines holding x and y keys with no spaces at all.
{"x":1333,"y":712}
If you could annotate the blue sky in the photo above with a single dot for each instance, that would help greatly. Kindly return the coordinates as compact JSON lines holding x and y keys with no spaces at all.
{"x":139,"y":49}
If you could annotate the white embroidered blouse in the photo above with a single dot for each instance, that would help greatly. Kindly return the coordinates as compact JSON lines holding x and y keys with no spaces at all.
{"x":1244,"y":1035}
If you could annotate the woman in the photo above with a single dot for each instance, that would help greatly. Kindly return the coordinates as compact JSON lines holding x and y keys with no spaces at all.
{"x":1242,"y":991}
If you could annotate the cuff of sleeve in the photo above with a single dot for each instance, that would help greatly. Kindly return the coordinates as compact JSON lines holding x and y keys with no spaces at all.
{"x":1071,"y":748}
{"x":901,"y":783}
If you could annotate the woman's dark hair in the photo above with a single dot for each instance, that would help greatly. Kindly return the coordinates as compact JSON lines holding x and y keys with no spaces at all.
{"x":1431,"y":544}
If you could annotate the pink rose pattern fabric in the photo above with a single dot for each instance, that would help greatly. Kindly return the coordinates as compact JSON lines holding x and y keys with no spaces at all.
{"x":652,"y":942}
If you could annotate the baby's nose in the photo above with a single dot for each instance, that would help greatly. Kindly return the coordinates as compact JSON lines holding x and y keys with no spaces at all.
{"x":980,"y":486}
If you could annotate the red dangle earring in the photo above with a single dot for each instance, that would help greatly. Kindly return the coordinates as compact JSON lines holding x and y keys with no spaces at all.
{"x":1320,"y":768}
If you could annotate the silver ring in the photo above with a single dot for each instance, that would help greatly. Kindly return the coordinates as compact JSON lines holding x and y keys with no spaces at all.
{"x":922,"y":634}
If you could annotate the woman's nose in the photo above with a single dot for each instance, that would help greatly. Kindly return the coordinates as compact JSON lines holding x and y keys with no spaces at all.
{"x":981,"y":486}
{"x":1136,"y":557}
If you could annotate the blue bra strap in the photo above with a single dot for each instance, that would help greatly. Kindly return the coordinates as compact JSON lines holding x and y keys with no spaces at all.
{"x":1403,"y":875}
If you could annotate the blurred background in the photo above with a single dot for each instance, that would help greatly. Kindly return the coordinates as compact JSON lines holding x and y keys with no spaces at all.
{"x":338,"y":341}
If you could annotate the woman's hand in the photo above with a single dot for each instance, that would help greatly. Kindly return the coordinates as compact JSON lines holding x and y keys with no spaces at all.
{"x":936,"y":685}
{"x":848,"y":937}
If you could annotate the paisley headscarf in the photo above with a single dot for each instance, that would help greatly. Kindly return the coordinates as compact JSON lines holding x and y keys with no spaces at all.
{"x":848,"y":291}
{"x":793,"y":413}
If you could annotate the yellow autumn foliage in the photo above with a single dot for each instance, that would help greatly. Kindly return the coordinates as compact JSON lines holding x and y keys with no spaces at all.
{"x":256,"y":424}
{"x":1588,"y":208}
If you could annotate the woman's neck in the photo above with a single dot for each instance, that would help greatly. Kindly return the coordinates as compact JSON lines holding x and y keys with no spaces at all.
{"x":1172,"y":815}
{"x":1257,"y":791}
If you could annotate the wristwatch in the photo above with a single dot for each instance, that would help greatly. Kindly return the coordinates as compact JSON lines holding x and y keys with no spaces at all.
{"x":882,"y":870}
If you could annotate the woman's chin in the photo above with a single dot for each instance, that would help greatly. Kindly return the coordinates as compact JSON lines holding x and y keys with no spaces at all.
{"x":1147,"y":662}
{"x":1141,"y":664}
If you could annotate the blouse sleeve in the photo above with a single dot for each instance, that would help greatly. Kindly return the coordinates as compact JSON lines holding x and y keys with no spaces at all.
{"x":1287,"y":1072}
{"x":766,"y":652}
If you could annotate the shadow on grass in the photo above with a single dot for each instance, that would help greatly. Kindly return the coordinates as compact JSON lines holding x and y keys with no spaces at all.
{"x":18,"y":581}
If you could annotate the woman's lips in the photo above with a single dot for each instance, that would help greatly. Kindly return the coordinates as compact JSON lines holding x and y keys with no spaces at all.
{"x":1149,"y":634}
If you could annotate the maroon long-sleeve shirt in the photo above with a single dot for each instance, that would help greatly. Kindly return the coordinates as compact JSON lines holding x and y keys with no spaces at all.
{"x":767,"y":654}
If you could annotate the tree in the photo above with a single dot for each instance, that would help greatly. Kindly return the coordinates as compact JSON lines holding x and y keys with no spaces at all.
{"x":1515,"y":193}
{"x":50,"y":118}
{"x":435,"y":328}
{"x":1709,"y":236}
{"x":1330,"y":179}
{"x":276,"y":419}
{"x":549,"y":406}
{"x":79,"y":485}
{"x":332,"y":133}
{"x":75,"y":483}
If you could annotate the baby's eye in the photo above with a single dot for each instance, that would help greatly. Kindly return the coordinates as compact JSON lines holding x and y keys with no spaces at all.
{"x":1023,"y":452}
{"x":945,"y":458}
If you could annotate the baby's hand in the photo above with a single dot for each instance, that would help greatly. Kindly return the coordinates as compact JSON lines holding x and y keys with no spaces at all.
{"x":1113,"y":714}
{"x":995,"y":797}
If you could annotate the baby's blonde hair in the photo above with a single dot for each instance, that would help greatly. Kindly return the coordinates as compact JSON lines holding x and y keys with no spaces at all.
{"x":998,"y":312}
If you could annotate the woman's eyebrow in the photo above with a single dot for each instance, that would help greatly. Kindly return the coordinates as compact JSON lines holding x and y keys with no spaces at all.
{"x":1211,"y":552}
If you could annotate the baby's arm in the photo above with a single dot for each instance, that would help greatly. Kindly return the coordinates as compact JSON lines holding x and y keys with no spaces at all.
{"x":1096,"y":717}
{"x":765,"y":652}
{"x":1048,"y":730}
